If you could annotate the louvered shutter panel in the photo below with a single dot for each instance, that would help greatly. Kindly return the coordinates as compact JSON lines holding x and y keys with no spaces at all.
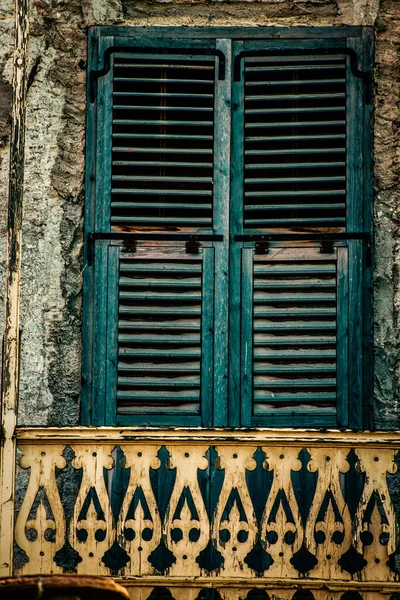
{"x":163,"y":131}
{"x":164,"y":336}
{"x":295,"y":336}
{"x":295,"y":143}
{"x":153,"y":349}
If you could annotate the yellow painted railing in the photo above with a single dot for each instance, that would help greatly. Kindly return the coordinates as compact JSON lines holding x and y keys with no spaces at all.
{"x":287,"y":495}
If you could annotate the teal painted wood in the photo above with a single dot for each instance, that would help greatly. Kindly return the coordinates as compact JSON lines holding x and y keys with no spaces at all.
{"x":296,"y":44}
{"x":100,"y":334}
{"x":161,"y":359}
{"x":354,"y":140}
{"x":171,"y":41}
{"x":355,"y":334}
{"x":292,"y":419}
{"x":222,"y":160}
{"x":207,"y":338}
{"x":111,"y":326}
{"x":235,"y":248}
{"x":104,"y":141}
{"x":368,"y":218}
{"x":342,"y":334}
{"x":90,"y":204}
{"x":247,"y":337}
{"x":359,"y":218}
{"x":227,"y":219}
{"x":263,"y":33}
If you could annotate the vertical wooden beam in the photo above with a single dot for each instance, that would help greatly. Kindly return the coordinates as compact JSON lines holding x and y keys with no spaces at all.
{"x":10,"y":373}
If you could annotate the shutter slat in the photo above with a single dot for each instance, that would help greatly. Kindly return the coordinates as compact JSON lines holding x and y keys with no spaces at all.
{"x":308,"y":165}
{"x":291,"y":82}
{"x":162,"y":178}
{"x":161,"y":136}
{"x":289,"y":180}
{"x":158,"y":163}
{"x":162,"y":122}
{"x":157,"y":109}
{"x":164,"y":81}
{"x":273,"y":97}
{"x":281,"y":68}
{"x":284,"y":124}
{"x":160,"y":192}
{"x":119,"y":94}
{"x":285,"y":111}
{"x":161,"y":205}
{"x":155,"y":221}
{"x":153,"y":150}
{"x":278,"y":151}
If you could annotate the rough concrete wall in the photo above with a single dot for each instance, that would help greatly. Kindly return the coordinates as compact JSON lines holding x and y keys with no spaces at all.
{"x":387,"y":206}
{"x":6,"y":65}
{"x":52,"y":265}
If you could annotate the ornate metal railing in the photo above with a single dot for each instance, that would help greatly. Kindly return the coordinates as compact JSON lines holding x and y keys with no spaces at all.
{"x":228,"y":509}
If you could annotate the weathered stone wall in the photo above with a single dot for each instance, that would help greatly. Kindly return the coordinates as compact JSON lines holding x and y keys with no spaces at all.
{"x":54,"y":194}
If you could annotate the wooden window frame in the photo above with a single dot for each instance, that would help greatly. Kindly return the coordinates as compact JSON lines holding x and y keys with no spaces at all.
{"x":228,"y":409}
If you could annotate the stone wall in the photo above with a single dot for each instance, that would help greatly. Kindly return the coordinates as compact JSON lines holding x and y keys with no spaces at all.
{"x":54,"y":174}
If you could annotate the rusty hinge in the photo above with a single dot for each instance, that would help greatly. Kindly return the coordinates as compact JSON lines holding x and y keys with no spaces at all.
{"x":192,"y":246}
{"x":261,"y":247}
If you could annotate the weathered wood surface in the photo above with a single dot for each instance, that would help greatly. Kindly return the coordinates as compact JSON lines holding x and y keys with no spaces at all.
{"x":159,"y":511}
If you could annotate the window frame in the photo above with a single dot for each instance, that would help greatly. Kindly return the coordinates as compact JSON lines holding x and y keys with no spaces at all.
{"x":98,"y":150}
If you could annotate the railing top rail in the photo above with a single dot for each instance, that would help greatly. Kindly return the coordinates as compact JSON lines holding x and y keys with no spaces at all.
{"x":149,"y":435}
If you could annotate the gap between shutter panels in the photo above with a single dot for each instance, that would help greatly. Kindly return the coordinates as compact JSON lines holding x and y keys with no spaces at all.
{"x":295,"y":144}
{"x":159,"y":329}
{"x":163,"y":132}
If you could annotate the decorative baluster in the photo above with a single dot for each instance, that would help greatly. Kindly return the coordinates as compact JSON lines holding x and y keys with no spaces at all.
{"x":328,"y":535}
{"x":186,"y":550}
{"x":92,"y":512}
{"x":281,"y":531}
{"x":185,"y":593}
{"x":233,"y":593}
{"x":280,"y":593}
{"x":139,"y":592}
{"x":371,"y":531}
{"x":241,"y":533}
{"x":146,"y":532}
{"x":41,"y":551}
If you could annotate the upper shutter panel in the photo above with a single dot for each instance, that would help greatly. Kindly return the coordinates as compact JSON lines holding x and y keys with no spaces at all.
{"x":162,"y":153}
{"x":295,"y":143}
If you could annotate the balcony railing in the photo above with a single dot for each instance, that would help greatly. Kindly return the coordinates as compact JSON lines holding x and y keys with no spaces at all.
{"x":232,"y":510}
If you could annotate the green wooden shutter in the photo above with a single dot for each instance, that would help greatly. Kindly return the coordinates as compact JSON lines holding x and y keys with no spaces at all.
{"x":169,"y":167}
{"x":153,"y":351}
{"x":301,"y":294}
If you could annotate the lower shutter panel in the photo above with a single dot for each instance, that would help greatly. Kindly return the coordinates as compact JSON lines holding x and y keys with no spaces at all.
{"x":295,"y":336}
{"x":160,"y":345}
